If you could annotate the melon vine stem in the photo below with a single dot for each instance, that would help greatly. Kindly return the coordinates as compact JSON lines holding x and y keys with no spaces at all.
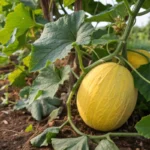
{"x":87,"y":69}
{"x":123,"y":38}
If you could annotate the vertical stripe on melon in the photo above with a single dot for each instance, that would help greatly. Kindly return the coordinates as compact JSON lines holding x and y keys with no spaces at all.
{"x":106,"y":97}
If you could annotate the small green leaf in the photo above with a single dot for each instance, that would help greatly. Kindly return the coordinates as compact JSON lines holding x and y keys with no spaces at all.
{"x":20,"y":19}
{"x":109,"y":14}
{"x":17,"y":77}
{"x":29,"y":128}
{"x":105,"y":39}
{"x":54,"y":114}
{"x":45,"y":137}
{"x":48,"y":81}
{"x":20,"y":105}
{"x":80,"y":143}
{"x":24,"y":93}
{"x":140,"y":84}
{"x":106,"y":145}
{"x":54,"y":45}
{"x":3,"y":59}
{"x":68,"y":2}
{"x":43,"y":107}
{"x":143,"y":127}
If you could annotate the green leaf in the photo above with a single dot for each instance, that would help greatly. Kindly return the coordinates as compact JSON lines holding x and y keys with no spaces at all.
{"x":143,"y":126}
{"x":110,"y":14}
{"x":24,"y":93}
{"x":54,"y":114}
{"x":140,"y":84}
{"x":105,"y":39}
{"x":29,"y":128}
{"x":21,"y":104}
{"x":68,"y":2}
{"x":31,"y":3}
{"x":106,"y":145}
{"x":3,"y":59}
{"x":12,"y":44}
{"x":80,"y":143}
{"x":93,"y":7}
{"x":43,"y":107}
{"x":99,"y":53}
{"x":48,"y":81}
{"x":57,"y":38}
{"x":26,"y":61}
{"x":45,"y":137}
{"x":17,"y":77}
{"x":20,"y":19}
{"x":146,"y":4}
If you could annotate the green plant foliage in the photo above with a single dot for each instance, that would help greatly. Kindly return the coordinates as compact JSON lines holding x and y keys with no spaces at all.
{"x":93,"y":7}
{"x":68,"y":2}
{"x":12,"y":44}
{"x":106,"y":145}
{"x":31,"y":3}
{"x":29,"y":128}
{"x":140,"y":84}
{"x":17,"y":77}
{"x":43,"y":107}
{"x":55,"y":113}
{"x":71,"y":143}
{"x":24,"y":92}
{"x":48,"y":81}
{"x":45,"y":137}
{"x":20,"y":19}
{"x":105,"y":39}
{"x":3,"y":59}
{"x":143,"y":127}
{"x":109,"y":14}
{"x":54,"y":45}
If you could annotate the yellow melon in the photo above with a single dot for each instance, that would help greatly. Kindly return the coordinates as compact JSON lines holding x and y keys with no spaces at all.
{"x":106,"y":97}
{"x":136,"y":59}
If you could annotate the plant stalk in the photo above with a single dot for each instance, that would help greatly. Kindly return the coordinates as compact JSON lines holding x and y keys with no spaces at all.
{"x":128,"y":7}
{"x":123,"y":39}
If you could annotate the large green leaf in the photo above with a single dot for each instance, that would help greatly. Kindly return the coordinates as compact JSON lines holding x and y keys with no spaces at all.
{"x":142,"y":85}
{"x":80,"y":143}
{"x":106,"y":145}
{"x":48,"y":81}
{"x":44,"y":138}
{"x":109,"y":14}
{"x":57,"y":38}
{"x":20,"y":19}
{"x":143,"y":127}
{"x":43,"y":107}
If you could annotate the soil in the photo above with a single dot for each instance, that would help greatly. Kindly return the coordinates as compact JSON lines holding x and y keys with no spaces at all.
{"x":13,"y":125}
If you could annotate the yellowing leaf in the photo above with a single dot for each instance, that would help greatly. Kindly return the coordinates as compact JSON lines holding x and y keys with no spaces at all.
{"x":17,"y":77}
{"x":29,"y":128}
{"x":26,"y":60}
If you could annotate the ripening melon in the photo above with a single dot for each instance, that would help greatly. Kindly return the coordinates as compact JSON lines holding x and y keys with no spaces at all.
{"x":106,"y":97}
{"x":136,"y":59}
